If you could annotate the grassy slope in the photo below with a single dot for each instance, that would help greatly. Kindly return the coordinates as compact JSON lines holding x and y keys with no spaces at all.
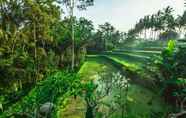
{"x":142,"y":102}
{"x":94,"y":65}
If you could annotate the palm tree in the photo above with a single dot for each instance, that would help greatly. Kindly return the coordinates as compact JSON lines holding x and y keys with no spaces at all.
{"x":179,"y":23}
{"x":157,"y":24}
{"x":168,"y":18}
{"x":145,"y":23}
{"x":70,"y":5}
{"x":107,"y":29}
{"x":183,"y":21}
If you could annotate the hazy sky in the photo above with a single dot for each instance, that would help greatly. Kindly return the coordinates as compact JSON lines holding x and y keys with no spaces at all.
{"x":123,"y":14}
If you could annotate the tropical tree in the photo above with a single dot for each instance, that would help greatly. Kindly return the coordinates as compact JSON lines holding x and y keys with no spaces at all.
{"x":70,"y":5}
{"x":83,"y":30}
{"x":25,"y":27}
{"x":107,"y":31}
{"x":162,"y":21}
{"x":184,"y":18}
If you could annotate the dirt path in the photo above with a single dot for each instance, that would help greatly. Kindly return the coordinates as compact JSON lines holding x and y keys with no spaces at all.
{"x":75,"y":108}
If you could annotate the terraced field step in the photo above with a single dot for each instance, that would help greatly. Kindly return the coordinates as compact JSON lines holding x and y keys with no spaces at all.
{"x":152,"y":46}
{"x":127,"y":54}
{"x":139,"y":53}
{"x":130,"y":60}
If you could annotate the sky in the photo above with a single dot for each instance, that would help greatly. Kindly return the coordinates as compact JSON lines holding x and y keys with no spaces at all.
{"x":123,"y":14}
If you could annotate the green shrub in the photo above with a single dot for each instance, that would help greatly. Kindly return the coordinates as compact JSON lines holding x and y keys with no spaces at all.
{"x":171,"y":71}
{"x":56,"y":85}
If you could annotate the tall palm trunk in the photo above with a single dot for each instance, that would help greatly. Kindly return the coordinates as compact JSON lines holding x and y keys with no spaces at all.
{"x":35,"y":52}
{"x":151,"y":33}
{"x":145,"y":33}
{"x":72,"y":36}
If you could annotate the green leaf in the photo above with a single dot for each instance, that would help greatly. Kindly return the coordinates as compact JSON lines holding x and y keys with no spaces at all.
{"x":171,"y":46}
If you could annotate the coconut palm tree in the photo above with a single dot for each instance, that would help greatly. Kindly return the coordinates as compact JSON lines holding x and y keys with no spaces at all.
{"x":70,"y":5}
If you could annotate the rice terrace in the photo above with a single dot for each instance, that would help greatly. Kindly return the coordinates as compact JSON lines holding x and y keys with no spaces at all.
{"x":92,"y":59}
